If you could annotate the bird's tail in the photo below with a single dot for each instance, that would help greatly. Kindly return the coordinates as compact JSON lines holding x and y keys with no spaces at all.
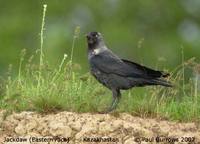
{"x":162,"y":82}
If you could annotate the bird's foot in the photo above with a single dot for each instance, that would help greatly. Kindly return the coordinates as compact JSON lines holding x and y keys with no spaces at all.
{"x":112,"y":106}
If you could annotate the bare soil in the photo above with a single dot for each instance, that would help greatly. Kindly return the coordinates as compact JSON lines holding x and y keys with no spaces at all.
{"x":93,"y":128}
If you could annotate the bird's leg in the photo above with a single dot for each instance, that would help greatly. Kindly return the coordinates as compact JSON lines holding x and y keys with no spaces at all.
{"x":115,"y":100}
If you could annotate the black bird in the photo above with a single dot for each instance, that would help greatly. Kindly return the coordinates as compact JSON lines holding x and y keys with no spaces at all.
{"x":116,"y":73}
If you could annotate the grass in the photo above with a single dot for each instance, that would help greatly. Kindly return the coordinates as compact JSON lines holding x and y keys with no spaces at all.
{"x":43,"y":89}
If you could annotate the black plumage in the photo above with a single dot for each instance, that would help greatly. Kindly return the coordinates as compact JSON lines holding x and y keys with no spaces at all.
{"x":118,"y":74}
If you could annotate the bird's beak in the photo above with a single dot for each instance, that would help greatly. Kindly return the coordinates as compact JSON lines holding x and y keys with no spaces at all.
{"x":89,"y":39}
{"x":87,"y":36}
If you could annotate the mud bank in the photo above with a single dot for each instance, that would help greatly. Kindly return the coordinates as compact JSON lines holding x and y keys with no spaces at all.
{"x":64,"y":127}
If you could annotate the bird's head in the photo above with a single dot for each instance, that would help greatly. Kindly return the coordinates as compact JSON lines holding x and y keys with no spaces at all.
{"x":94,"y":39}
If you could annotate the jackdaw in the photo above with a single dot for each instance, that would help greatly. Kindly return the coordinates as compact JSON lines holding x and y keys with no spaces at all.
{"x":116,"y":73}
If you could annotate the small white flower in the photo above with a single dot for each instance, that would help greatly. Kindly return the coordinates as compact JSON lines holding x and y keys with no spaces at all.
{"x":45,"y":5}
{"x":65,"y":56}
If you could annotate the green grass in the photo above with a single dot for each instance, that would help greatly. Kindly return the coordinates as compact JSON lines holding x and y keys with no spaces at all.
{"x":38,"y":87}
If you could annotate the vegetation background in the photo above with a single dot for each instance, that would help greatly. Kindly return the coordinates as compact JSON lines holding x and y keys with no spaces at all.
{"x":144,"y":31}
{"x":160,"y":34}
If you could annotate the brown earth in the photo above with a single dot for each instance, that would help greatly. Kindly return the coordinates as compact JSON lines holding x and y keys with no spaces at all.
{"x":102,"y":128}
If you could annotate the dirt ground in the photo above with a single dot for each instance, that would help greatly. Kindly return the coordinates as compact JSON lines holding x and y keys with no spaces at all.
{"x":68,"y":127}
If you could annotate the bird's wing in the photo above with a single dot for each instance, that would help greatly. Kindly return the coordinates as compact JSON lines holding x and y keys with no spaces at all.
{"x":109,"y":63}
{"x":145,"y":70}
